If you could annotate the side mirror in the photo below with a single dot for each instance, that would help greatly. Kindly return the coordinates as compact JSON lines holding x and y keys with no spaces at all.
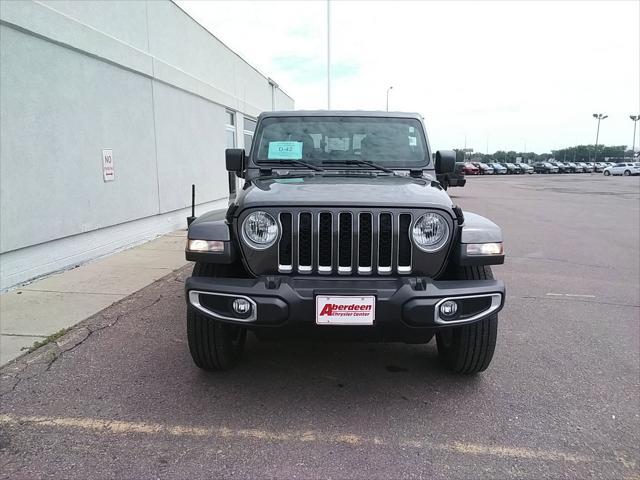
{"x":235,"y":160}
{"x":445,"y":161}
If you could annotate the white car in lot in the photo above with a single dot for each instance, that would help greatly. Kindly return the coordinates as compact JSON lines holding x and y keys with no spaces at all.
{"x":625,"y":169}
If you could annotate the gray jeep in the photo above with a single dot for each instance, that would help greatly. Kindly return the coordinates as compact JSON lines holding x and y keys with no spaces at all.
{"x":340,"y":229}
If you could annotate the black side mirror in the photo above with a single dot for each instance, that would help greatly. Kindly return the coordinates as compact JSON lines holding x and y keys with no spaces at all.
{"x":445,"y":161}
{"x":235,"y":160}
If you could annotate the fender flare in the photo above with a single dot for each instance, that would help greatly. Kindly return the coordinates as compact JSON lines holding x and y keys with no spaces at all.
{"x":212,"y":226}
{"x":477,"y":229}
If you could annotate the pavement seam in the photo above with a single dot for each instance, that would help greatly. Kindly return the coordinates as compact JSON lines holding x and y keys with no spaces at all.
{"x":28,"y":289}
{"x":21,"y":335}
{"x":576,"y":299}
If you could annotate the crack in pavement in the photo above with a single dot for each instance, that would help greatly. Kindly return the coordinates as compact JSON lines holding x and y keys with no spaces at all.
{"x":52,"y":351}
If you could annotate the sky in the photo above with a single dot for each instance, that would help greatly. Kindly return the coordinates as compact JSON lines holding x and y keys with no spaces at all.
{"x":523,"y":76}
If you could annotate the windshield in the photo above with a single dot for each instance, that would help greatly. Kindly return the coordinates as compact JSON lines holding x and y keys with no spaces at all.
{"x":392,"y":142}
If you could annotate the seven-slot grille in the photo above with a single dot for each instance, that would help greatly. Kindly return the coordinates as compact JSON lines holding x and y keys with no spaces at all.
{"x":345,"y":242}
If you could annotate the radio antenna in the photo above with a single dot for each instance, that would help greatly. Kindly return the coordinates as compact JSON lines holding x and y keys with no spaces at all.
{"x":193,"y":205}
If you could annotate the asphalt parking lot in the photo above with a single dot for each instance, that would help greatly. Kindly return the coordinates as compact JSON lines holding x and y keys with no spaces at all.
{"x":120,"y":398}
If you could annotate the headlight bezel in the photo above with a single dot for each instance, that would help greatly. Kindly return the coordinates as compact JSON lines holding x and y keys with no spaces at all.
{"x":441,"y":243}
{"x":252,"y":243}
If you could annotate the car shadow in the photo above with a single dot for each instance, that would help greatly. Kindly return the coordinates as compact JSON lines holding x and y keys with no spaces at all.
{"x":340,"y":376}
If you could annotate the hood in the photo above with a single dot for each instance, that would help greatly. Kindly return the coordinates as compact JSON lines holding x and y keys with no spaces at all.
{"x":343,"y":190}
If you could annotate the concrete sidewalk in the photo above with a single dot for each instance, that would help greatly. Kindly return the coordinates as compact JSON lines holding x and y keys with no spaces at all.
{"x":39,"y":309}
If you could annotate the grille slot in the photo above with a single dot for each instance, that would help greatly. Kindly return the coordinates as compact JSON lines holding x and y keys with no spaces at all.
{"x":404,"y":243}
{"x":285,"y":261}
{"x":365,"y":242}
{"x":305,"y":243}
{"x":345,"y":235}
{"x":385,"y":243}
{"x":345,"y":243}
{"x":325,"y":242}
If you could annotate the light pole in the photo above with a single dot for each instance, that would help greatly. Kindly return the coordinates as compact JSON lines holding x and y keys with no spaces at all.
{"x":388,"y":90}
{"x":635,"y":119}
{"x":598,"y":116}
{"x":328,"y":55}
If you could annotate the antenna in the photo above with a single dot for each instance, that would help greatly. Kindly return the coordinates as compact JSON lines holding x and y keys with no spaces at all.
{"x":193,"y":205}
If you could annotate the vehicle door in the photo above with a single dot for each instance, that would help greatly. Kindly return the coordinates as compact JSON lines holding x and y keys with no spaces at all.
{"x":618,"y":169}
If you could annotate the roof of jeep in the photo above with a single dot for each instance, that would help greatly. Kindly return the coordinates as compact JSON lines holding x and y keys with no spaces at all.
{"x":340,"y":113}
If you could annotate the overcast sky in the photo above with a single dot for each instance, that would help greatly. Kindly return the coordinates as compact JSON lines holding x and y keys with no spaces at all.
{"x":506,"y":73}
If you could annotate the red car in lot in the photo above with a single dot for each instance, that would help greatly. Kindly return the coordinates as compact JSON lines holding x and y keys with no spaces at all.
{"x":471,"y":169}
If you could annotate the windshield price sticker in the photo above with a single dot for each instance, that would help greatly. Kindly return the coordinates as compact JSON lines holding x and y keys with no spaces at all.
{"x":285,"y":151}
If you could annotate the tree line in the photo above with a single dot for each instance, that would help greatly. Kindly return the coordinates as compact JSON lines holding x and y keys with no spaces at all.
{"x":579,"y":153}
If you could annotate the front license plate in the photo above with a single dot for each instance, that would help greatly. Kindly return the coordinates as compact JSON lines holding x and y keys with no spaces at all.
{"x":345,"y":310}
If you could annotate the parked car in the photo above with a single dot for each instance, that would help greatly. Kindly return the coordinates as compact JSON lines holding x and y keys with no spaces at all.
{"x":471,"y":169}
{"x":335,"y":243}
{"x":625,"y":169}
{"x":525,"y":168}
{"x":571,"y":167}
{"x":562,"y":167}
{"x":484,"y":168}
{"x":498,"y":169}
{"x":511,"y":168}
{"x":544,"y":167}
{"x":453,"y":179}
{"x":585,"y":167}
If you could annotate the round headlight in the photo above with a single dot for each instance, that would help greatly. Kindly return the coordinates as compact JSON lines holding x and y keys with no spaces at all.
{"x":430,"y":232}
{"x":260,"y":230}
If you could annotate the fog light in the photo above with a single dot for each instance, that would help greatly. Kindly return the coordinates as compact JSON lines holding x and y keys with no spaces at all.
{"x":449,"y":308}
{"x":241,"y":306}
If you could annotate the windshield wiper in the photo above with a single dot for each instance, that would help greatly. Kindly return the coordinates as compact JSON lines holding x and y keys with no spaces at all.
{"x":298,"y":162}
{"x":359,"y":162}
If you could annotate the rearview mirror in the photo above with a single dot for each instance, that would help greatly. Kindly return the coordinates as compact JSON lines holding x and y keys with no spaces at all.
{"x":235,"y":160}
{"x":445,"y":161}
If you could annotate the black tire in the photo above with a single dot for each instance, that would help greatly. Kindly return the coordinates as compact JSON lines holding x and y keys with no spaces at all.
{"x":213,"y":345}
{"x":607,"y":173}
{"x":627,"y":173}
{"x":468,"y":349}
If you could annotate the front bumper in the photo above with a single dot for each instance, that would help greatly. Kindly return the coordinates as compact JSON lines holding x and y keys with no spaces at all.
{"x":282,"y":301}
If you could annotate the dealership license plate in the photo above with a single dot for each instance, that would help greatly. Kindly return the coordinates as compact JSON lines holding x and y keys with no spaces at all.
{"x":345,"y":310}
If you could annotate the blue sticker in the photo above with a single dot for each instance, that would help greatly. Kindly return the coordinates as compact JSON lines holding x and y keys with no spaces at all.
{"x":289,"y":180}
{"x":285,"y":151}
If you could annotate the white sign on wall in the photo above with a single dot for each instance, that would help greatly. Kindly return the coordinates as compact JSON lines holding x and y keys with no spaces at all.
{"x":108,"y":172}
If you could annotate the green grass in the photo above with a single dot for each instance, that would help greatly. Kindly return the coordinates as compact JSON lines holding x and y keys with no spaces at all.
{"x":44,"y":341}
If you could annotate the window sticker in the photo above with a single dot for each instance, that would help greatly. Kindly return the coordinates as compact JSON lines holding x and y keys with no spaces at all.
{"x":413,"y":141}
{"x":289,"y":180}
{"x":285,"y":151}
